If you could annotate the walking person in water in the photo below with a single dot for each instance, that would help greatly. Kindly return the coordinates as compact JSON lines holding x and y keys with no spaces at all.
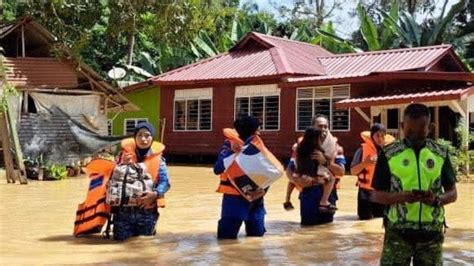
{"x":236,"y":209}
{"x":414,"y":177}
{"x":308,"y":167}
{"x":311,"y":192}
{"x":141,"y":219}
{"x":363,"y":166}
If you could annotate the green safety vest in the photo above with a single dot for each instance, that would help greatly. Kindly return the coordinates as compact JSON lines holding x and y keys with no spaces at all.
{"x":407,"y":174}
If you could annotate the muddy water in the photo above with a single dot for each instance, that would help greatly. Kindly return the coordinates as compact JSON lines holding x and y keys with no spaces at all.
{"x":36,"y":223}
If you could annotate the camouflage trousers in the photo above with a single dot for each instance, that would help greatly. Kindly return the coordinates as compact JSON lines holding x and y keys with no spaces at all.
{"x":131,"y":221}
{"x":399,"y":248}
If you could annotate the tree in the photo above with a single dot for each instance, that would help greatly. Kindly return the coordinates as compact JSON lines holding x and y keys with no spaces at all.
{"x":312,"y":13}
{"x":463,"y":34}
{"x":411,"y":6}
{"x":377,"y":38}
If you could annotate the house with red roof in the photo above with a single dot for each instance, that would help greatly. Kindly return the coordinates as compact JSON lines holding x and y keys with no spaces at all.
{"x":285,"y":83}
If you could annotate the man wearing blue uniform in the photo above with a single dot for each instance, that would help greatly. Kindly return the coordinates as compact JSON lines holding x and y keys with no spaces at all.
{"x":311,"y":193}
{"x":235,"y":208}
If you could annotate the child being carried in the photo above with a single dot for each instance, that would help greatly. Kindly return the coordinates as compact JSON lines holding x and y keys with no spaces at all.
{"x":312,"y":158}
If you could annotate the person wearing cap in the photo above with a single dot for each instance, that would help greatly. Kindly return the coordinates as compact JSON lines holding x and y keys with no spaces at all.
{"x":141,"y":220}
{"x":235,"y":209}
{"x":363,"y":165}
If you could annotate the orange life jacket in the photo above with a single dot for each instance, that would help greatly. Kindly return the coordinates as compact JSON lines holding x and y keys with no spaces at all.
{"x":93,"y":213}
{"x":225,"y":186}
{"x":368,"y":150}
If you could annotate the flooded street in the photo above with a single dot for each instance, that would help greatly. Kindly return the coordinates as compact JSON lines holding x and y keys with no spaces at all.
{"x":37,"y":220}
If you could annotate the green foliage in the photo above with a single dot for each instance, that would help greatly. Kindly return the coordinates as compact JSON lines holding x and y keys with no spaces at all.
{"x":430,"y":32}
{"x":158,"y":36}
{"x":460,"y":157}
{"x":368,"y":29}
{"x":56,"y":172}
{"x":326,"y":37}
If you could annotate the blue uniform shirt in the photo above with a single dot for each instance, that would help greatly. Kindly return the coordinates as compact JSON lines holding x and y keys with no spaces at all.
{"x":163,"y":183}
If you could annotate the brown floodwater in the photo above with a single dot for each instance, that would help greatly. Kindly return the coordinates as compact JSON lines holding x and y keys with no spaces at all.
{"x":37,"y":220}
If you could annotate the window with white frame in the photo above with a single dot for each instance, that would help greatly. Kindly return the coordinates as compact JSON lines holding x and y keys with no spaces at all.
{"x":193,"y":110}
{"x":131,"y":123}
{"x":321,"y":100}
{"x":260,"y":101}
{"x":109,"y":127}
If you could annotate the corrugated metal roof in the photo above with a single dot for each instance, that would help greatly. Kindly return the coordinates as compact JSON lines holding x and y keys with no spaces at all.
{"x":389,"y":75}
{"x":5,"y":28}
{"x":389,"y":60}
{"x":30,"y":24}
{"x":403,"y":98}
{"x":40,"y":72}
{"x":363,"y":64}
{"x":259,"y":55}
{"x":301,"y":56}
{"x":249,"y":58}
{"x":239,"y":64}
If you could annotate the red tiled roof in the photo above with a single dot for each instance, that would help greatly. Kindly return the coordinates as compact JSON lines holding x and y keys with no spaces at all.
{"x":256,"y":55}
{"x":40,"y":73}
{"x":427,"y":96}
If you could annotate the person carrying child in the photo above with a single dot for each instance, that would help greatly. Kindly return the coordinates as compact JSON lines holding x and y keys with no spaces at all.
{"x":311,"y":192}
{"x":306,"y":166}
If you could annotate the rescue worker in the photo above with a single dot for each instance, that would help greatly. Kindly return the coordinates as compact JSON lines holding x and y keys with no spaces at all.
{"x":363,"y":166}
{"x":141,"y":220}
{"x":235,"y":208}
{"x":311,"y":193}
{"x":415,"y":178}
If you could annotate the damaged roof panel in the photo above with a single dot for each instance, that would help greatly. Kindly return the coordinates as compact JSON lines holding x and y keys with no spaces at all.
{"x":40,"y":72}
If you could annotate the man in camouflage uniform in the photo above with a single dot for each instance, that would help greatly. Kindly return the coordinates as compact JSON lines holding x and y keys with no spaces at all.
{"x":414,"y":179}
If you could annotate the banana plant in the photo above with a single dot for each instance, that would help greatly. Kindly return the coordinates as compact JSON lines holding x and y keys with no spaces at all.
{"x":326,"y":37}
{"x":203,"y":47}
{"x":414,"y":34}
{"x":370,"y":32}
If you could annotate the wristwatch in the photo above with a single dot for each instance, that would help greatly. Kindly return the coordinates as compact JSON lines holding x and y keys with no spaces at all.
{"x":436,"y":202}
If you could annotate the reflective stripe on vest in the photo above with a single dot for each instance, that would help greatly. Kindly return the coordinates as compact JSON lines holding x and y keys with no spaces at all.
{"x":93,"y":213}
{"x":407,"y":174}
{"x":225,"y":186}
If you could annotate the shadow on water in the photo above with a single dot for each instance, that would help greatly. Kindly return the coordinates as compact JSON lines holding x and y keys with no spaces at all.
{"x":85,"y":240}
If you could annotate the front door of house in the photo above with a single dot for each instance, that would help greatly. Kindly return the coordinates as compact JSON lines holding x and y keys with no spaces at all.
{"x":391,"y":119}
